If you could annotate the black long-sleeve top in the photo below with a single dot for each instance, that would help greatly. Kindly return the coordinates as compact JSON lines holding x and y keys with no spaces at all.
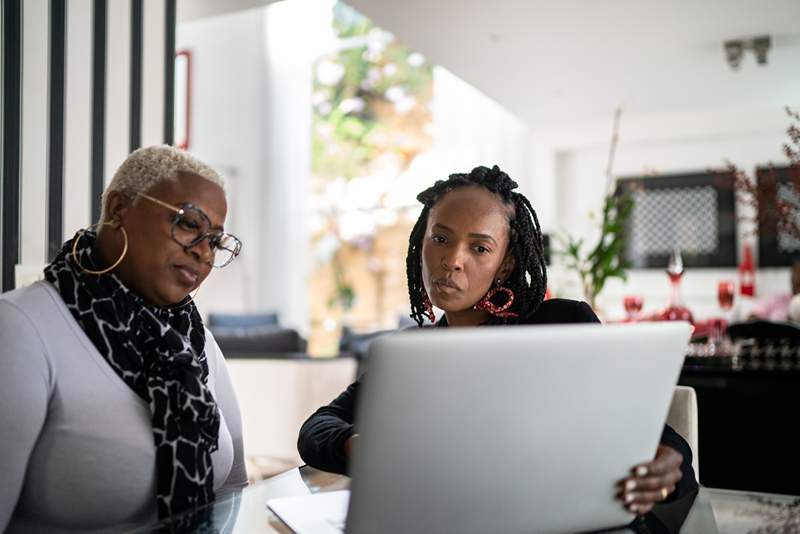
{"x":322,"y":436}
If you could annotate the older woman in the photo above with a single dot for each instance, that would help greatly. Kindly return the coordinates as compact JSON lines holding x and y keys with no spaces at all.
{"x":476,"y":253}
{"x":115,"y":404}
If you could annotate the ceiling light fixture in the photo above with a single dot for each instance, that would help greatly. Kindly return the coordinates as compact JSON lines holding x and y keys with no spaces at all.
{"x":761,"y":46}
{"x":735,"y":48}
{"x":733,"y":53}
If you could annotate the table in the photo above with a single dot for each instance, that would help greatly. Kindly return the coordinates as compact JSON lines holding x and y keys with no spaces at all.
{"x":710,"y":511}
{"x":745,"y":411}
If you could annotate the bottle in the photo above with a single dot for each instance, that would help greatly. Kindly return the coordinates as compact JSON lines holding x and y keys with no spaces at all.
{"x":747,"y":272}
{"x":675,"y":310}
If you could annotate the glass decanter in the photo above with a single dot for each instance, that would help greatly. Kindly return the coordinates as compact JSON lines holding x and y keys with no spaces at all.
{"x":675,"y":310}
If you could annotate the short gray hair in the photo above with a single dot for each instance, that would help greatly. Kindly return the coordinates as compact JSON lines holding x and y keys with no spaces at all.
{"x":146,"y":167}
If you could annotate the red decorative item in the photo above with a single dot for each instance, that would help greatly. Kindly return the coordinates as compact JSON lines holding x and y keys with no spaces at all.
{"x":486,"y":303}
{"x":428,"y":307}
{"x":633,"y":306}
{"x":747,"y":273}
{"x":183,"y":96}
{"x":725,"y":292}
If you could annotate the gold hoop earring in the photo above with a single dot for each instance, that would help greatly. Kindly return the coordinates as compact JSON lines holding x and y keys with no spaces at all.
{"x":75,"y":249}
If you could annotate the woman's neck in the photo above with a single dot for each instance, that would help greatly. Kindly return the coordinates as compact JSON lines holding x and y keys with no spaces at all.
{"x":468,"y":317}
{"x":105,"y":248}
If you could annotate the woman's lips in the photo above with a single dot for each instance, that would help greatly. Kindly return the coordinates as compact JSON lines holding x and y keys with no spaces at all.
{"x":445,"y":285}
{"x":186,"y":275}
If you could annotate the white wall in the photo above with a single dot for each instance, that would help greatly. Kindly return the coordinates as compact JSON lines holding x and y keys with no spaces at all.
{"x":34,"y":124}
{"x":298,"y":32}
{"x":251,"y":119}
{"x":692,"y":141}
{"x":227,"y":115}
{"x":77,"y":122}
{"x":488,"y":134}
{"x":470,"y":129}
{"x":78,"y":136}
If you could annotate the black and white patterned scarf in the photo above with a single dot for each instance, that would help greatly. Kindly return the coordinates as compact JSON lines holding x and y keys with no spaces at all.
{"x":160,"y":354}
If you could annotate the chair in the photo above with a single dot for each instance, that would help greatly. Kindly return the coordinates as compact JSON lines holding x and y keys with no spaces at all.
{"x":254,"y":335}
{"x":241,"y":320}
{"x":259,"y":342}
{"x":357,"y":344}
{"x":683,"y":419}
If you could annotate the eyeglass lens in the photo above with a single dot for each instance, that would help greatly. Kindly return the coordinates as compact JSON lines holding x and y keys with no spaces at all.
{"x":192,"y":226}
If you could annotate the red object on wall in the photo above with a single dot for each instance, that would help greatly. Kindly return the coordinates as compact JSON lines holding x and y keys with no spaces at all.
{"x":186,"y":65}
{"x":747,"y":272}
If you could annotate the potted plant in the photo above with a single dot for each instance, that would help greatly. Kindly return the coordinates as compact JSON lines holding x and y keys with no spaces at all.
{"x":595,"y":263}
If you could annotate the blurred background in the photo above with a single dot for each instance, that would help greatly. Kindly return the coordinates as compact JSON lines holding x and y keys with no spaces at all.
{"x":650,"y":137}
{"x":329,"y":118}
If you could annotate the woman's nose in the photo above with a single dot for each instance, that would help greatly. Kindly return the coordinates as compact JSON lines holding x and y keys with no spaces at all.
{"x":453,"y":261}
{"x":202,"y":251}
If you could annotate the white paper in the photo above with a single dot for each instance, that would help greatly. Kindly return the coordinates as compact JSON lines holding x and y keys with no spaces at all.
{"x":288,"y":484}
{"x":321,"y":513}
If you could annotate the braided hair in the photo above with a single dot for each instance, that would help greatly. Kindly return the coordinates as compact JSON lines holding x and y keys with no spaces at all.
{"x":528,"y":281}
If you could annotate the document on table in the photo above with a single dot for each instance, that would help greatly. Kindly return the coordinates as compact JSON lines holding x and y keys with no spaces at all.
{"x":320,"y":513}
{"x":288,"y":484}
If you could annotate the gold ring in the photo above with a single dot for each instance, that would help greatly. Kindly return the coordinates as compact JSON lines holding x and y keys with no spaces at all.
{"x":664,"y":494}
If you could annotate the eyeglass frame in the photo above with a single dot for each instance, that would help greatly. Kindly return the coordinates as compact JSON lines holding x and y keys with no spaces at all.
{"x":181,"y":211}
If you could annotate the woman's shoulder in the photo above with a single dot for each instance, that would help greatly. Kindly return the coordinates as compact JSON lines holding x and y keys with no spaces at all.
{"x":38,"y":303}
{"x":29,"y":316}
{"x":37,"y":294}
{"x":559,"y":311}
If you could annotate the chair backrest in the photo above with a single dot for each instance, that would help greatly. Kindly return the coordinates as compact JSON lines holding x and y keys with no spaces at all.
{"x":241,"y":320}
{"x":258,"y":341}
{"x":683,"y":419}
{"x":357,"y":344}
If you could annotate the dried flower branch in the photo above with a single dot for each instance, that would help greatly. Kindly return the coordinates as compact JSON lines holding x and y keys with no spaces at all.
{"x":761,"y":193}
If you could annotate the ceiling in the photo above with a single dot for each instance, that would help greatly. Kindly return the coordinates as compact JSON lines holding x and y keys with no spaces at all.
{"x":556,"y":62}
{"x":197,"y":9}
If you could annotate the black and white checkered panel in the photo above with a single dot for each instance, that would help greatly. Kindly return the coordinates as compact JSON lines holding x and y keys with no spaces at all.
{"x":682,"y":217}
{"x":787,"y":243}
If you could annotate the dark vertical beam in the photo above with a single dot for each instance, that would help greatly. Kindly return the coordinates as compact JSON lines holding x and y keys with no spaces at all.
{"x":55,"y":142}
{"x":169,"y":73}
{"x":12,"y":106}
{"x":137,"y":30}
{"x":98,"y":106}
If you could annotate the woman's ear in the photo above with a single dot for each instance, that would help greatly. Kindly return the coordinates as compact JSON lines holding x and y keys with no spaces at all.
{"x":117,"y":204}
{"x":507,"y":267}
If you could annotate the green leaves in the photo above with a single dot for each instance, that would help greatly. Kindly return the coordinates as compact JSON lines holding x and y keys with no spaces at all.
{"x":607,"y":258}
{"x":367,"y":94}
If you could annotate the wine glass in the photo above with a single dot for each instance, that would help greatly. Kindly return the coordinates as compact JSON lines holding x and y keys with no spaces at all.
{"x":725,"y":293}
{"x":633,"y":305}
{"x":718,"y":327}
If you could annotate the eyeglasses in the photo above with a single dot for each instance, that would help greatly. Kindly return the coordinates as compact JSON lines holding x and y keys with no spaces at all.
{"x":191,"y":226}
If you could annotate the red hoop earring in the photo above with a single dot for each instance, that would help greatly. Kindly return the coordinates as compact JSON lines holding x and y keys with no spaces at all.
{"x":487,"y":305}
{"x":426,"y":302}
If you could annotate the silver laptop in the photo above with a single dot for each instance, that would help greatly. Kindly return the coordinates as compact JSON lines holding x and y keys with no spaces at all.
{"x":524,"y":429}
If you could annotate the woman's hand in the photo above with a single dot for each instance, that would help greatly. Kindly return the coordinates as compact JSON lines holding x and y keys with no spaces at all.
{"x":349,"y":444}
{"x":652,"y":482}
